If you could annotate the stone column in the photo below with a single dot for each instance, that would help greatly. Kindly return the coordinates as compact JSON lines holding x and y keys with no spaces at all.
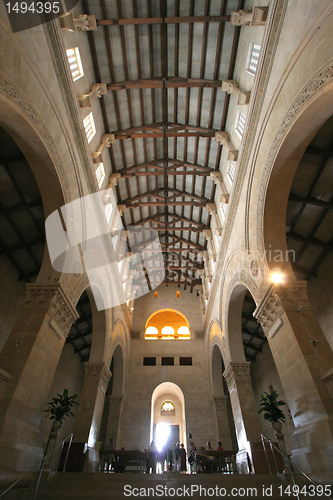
{"x":129,"y":281}
{"x":304,"y":361}
{"x":212,"y":209}
{"x":89,"y":414}
{"x":224,"y":139}
{"x":96,"y":90}
{"x":221,"y":411}
{"x":232,"y":87}
{"x":115,"y":403}
{"x":106,"y":141}
{"x":28,"y":363}
{"x":204,"y":284}
{"x":245,"y":411}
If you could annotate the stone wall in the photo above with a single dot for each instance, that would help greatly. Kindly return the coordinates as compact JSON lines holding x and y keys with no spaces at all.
{"x":264,"y":378}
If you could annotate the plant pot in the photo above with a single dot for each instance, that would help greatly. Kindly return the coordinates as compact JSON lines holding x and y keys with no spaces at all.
{"x":277,"y":426}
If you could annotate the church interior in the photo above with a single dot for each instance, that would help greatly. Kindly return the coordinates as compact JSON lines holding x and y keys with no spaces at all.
{"x":166,"y":231}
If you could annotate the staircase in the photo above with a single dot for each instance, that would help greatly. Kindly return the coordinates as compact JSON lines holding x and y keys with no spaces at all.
{"x":86,"y":486}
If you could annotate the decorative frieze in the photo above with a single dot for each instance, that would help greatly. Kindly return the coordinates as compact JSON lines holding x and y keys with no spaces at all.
{"x":237,"y":372}
{"x":269,"y":311}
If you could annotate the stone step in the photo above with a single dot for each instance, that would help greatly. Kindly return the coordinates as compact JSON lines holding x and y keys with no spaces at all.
{"x":85,"y":486}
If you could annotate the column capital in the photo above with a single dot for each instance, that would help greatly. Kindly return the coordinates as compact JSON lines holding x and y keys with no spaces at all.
{"x":256,"y":18}
{"x":208,"y":234}
{"x":220,"y":402}
{"x":83,"y":22}
{"x":115,"y":401}
{"x":222,"y":137}
{"x":96,"y":90}
{"x":280,"y":298}
{"x":237,"y":372}
{"x":98,"y":372}
{"x":53,"y":300}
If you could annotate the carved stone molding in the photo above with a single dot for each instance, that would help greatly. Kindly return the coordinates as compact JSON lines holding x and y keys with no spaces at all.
{"x":294,"y":296}
{"x":220,"y":402}
{"x":15,"y":95}
{"x":53,"y":300}
{"x":115,"y":402}
{"x":312,"y":435}
{"x":235,"y":373}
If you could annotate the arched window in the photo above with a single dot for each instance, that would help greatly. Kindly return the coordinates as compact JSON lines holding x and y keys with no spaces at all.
{"x":151,"y":333}
{"x":168,"y":406}
{"x":168,"y":333}
{"x":184,"y":332}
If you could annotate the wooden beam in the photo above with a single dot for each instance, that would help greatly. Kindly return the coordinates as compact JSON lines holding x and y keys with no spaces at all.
{"x":310,"y":241}
{"x":168,"y":82}
{"x":161,"y":20}
{"x":309,"y":200}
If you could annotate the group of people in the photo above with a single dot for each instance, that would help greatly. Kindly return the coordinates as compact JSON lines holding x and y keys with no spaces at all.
{"x":175,"y":456}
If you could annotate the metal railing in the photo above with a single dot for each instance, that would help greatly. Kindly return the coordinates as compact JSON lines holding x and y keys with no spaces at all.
{"x":42,"y":462}
{"x":292,"y":465}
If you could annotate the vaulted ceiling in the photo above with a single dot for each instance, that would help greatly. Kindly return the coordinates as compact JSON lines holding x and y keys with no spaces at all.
{"x":164,"y":62}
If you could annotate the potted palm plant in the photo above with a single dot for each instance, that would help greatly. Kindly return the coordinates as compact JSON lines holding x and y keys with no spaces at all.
{"x":272,"y":411}
{"x":59,"y":408}
{"x":270,"y":407}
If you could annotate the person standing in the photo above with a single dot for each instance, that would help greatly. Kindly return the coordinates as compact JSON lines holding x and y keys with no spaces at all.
{"x":108,"y":457}
{"x":182,"y":459}
{"x":152,"y":450}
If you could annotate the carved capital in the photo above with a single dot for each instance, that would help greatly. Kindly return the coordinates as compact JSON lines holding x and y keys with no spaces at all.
{"x":121,"y":209}
{"x":114,"y":179}
{"x":269,"y":312}
{"x":98,"y":372}
{"x":208,"y":234}
{"x":99,"y":89}
{"x":85,"y":22}
{"x":293,"y":296}
{"x":235,"y":373}
{"x":108,"y":139}
{"x":53,"y":300}
{"x":230,"y":86}
{"x":220,"y":402}
{"x":241,"y":18}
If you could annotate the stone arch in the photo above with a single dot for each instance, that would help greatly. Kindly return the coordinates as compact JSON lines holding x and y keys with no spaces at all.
{"x":24,"y":125}
{"x":309,"y":111}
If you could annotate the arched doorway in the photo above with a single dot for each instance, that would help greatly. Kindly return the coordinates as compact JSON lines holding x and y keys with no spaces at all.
{"x":168,"y":423}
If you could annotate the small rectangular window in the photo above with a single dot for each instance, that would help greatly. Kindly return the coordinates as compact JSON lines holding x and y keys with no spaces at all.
{"x":89,"y":126}
{"x":254,"y":58}
{"x":75,"y":64}
{"x":185,"y":361}
{"x":108,"y":212}
{"x":149,"y":361}
{"x":231,"y":172}
{"x":241,"y":124}
{"x":168,"y":361}
{"x":100,"y":174}
{"x":224,"y":207}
